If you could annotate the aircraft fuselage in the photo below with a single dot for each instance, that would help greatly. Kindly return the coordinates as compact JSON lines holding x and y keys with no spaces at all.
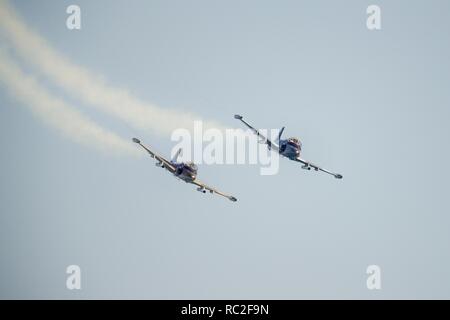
{"x":185,"y":172}
{"x":289,"y":149}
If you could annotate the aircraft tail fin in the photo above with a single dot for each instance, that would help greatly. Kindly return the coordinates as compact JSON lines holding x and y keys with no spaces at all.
{"x":279,"y":135}
{"x":176,"y":155}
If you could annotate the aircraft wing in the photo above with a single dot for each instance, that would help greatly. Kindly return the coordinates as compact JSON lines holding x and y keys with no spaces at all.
{"x":202,"y":186}
{"x":269,"y":143}
{"x":308,"y":165}
{"x":162,"y":161}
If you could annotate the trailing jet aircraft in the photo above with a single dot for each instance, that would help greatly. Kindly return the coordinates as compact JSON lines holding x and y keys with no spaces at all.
{"x":184,"y":171}
{"x":289,"y":148}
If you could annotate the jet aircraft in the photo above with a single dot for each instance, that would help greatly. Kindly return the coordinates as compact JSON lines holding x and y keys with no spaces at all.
{"x":187,"y":172}
{"x":289,"y":148}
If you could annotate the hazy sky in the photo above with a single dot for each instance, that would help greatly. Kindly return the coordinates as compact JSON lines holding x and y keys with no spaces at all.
{"x":372,"y":105}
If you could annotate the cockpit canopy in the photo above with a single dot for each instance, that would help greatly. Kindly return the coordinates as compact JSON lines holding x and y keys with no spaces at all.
{"x":295,"y":141}
{"x":192,"y":166}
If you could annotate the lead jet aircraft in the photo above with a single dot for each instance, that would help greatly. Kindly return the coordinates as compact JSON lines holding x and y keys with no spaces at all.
{"x":290,"y":148}
{"x":184,"y":171}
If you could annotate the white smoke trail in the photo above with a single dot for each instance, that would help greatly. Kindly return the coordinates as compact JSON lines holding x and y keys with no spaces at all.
{"x":90,"y":88}
{"x":57,"y":113}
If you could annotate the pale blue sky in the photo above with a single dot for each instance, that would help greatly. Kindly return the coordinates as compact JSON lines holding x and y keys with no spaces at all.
{"x":373,"y":106}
